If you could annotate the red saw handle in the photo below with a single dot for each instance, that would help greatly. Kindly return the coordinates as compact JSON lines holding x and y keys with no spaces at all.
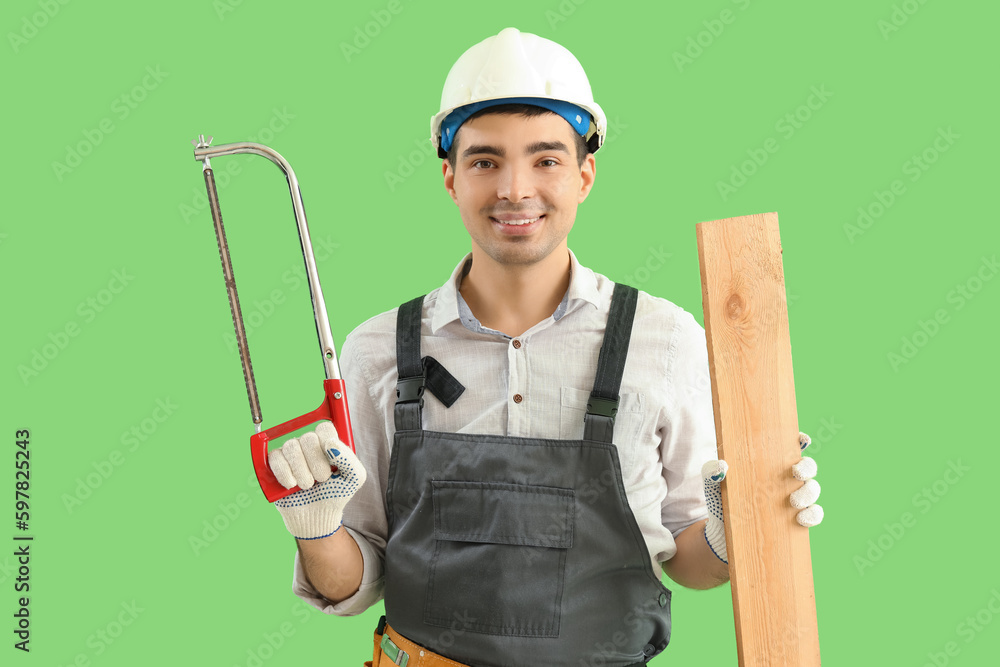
{"x":333,"y":408}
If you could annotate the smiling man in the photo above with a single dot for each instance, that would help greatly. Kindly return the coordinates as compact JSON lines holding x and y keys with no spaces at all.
{"x":531,"y":435}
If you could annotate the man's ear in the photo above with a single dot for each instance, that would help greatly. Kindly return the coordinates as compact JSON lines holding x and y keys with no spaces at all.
{"x":449,"y":179}
{"x":588,"y":173}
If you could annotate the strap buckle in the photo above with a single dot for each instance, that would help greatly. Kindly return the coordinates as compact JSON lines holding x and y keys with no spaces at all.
{"x":409,"y":390}
{"x":393,"y":652}
{"x":604,"y":407}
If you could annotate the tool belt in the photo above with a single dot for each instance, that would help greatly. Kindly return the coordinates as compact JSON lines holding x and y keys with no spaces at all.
{"x":391,"y":648}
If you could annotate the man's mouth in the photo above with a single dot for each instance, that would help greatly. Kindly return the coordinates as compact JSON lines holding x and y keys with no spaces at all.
{"x":516,"y":221}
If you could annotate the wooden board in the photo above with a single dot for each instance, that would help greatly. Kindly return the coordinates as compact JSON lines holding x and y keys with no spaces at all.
{"x":753,"y":392}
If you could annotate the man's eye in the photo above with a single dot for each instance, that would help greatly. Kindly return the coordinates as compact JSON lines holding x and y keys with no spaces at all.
{"x":548,"y":162}
{"x":482,"y":164}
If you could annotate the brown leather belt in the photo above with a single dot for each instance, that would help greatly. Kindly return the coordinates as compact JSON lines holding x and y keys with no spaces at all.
{"x":391,"y":648}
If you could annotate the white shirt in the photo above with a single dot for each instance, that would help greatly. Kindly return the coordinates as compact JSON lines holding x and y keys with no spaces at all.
{"x":664,"y":428}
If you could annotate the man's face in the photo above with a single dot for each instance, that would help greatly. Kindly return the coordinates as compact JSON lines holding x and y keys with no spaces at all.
{"x":517,"y":184}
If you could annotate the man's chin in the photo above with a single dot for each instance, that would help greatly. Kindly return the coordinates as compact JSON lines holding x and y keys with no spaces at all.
{"x":518,"y":252}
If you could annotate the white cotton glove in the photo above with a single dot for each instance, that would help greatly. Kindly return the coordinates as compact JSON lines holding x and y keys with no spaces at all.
{"x":317,"y":508}
{"x":804,"y":498}
{"x":713,"y":472}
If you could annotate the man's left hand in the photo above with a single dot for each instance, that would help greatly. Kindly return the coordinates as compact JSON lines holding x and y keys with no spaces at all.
{"x":802,"y":499}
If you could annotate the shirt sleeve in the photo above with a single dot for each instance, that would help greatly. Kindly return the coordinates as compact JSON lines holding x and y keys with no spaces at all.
{"x":365,"y":515}
{"x":688,"y":439}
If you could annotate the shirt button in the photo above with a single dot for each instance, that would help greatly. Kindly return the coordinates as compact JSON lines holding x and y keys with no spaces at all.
{"x":518,"y":398}
{"x":516,"y":344}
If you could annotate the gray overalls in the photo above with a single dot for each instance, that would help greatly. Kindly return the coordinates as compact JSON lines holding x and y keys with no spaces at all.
{"x":508,"y":551}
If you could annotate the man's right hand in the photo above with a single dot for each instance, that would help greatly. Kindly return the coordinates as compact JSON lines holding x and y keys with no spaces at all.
{"x":317,"y":509}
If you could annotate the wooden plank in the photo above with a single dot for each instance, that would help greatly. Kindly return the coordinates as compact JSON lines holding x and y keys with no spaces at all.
{"x":753,"y":392}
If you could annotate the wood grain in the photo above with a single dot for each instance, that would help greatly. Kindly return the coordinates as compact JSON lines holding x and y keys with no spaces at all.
{"x":753,"y":392}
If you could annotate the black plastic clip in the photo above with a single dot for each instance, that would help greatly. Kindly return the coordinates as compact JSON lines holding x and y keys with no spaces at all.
{"x":409,"y":390}
{"x":604,"y":407}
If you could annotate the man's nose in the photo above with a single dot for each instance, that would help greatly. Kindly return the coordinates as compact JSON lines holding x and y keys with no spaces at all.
{"x":515,"y":183}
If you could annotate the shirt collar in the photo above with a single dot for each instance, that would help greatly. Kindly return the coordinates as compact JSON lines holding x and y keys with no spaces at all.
{"x":449,"y":307}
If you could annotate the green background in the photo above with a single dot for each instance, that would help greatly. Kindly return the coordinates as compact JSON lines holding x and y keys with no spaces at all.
{"x":117,"y":519}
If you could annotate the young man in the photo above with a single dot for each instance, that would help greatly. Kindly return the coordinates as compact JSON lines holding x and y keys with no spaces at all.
{"x":531,"y":437}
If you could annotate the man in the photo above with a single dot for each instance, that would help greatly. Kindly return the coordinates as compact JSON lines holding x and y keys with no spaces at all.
{"x":532,"y":438}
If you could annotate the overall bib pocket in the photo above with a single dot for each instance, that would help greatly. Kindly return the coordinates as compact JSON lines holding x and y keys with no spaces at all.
{"x":487,"y":536}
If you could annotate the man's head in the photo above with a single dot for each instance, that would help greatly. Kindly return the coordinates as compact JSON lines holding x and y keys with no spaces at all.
{"x":517,"y":180}
{"x":518,"y":128}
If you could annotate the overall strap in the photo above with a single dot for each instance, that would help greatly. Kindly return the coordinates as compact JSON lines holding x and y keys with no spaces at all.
{"x":599,"y":422}
{"x":410,"y":387}
{"x":417,"y":373}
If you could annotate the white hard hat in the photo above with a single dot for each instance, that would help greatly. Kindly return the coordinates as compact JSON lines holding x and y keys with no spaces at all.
{"x":511,"y":67}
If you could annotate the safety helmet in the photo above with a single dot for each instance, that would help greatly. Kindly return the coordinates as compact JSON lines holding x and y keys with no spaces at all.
{"x":515,"y":66}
